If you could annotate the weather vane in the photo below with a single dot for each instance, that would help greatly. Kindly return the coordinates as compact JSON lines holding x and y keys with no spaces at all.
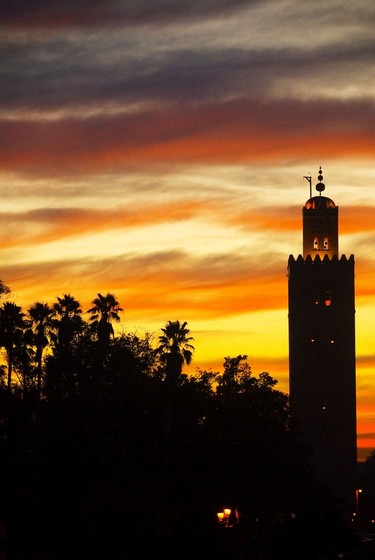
{"x":309,"y":179}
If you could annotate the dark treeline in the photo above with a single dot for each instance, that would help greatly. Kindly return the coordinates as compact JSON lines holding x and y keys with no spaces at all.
{"x":109,"y":451}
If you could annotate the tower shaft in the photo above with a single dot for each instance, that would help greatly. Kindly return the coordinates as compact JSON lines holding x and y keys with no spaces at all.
{"x":322,"y":380}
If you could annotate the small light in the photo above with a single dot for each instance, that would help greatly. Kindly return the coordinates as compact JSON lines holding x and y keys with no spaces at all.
{"x":225,"y":517}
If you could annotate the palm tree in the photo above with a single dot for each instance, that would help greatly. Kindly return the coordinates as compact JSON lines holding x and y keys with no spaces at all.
{"x":12,"y":325}
{"x":62,"y":367}
{"x":105,"y":310}
{"x":41,"y":316}
{"x":67,"y":320}
{"x":24,"y":362}
{"x":175,"y":348}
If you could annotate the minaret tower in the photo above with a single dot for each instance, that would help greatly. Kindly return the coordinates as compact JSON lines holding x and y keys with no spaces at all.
{"x":322,"y":380}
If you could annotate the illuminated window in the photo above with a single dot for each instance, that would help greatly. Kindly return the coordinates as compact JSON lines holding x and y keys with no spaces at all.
{"x":327,"y":299}
{"x":316,"y":244}
{"x":325,"y":244}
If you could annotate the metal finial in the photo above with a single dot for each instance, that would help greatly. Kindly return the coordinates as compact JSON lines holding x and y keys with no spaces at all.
{"x":320,"y":186}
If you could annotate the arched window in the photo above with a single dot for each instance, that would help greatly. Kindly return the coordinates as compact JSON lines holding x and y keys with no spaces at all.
{"x":325,"y":244}
{"x":316,"y":244}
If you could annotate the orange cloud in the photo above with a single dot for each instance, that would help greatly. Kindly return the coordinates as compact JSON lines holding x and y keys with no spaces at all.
{"x":57,"y":223}
{"x":173,"y":281}
{"x":50,"y":224}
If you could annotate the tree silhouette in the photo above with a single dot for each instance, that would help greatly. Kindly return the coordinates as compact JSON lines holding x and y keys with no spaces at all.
{"x":250,"y":420}
{"x":63,"y":365}
{"x":12,"y":324}
{"x":175,"y":348}
{"x":105,"y":309}
{"x":4,"y":289}
{"x":42,"y":329}
{"x":67,"y":320}
{"x":24,"y":362}
{"x":87,"y":467}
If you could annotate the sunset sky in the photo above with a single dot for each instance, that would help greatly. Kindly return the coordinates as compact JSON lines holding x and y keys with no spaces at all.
{"x":156,"y":149}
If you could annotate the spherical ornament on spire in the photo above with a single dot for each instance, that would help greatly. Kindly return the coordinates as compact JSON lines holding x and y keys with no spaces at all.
{"x":320,"y":187}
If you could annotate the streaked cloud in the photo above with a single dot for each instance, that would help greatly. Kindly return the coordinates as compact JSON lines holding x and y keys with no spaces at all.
{"x":232,"y":132}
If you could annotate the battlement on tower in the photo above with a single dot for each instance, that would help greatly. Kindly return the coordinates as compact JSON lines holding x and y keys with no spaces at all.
{"x":318,"y":262}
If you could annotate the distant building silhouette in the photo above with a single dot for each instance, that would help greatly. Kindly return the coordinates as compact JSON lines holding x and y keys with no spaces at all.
{"x":322,"y":378}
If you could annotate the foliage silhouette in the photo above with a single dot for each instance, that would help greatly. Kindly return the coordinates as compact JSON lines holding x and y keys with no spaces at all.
{"x":41,"y":327}
{"x":12,"y":325}
{"x":83,"y":467}
{"x":105,"y":309}
{"x":174,"y":350}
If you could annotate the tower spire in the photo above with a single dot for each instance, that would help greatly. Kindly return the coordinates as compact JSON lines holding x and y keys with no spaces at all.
{"x":320,"y":187}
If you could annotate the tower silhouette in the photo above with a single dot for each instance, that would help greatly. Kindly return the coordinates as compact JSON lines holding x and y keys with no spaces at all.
{"x":322,"y":378}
